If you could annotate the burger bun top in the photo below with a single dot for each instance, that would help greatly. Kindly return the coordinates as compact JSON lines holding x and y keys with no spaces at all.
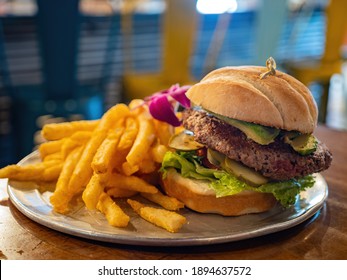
{"x":279,"y":100}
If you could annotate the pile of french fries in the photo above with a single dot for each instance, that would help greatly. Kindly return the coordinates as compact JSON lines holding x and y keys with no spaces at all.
{"x":103,"y":160}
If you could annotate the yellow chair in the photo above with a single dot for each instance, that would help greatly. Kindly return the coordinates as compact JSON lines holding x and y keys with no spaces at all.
{"x":178,"y":40}
{"x":331,"y":62}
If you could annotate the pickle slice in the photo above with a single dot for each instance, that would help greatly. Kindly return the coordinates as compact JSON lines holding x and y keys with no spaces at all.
{"x":184,"y":141}
{"x":216,"y":158}
{"x":245,"y":173}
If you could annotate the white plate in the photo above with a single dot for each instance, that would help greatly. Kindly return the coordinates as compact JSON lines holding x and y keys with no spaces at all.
{"x":200,"y":229}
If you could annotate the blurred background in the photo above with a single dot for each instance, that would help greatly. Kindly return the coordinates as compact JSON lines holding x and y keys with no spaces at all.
{"x":63,"y":60}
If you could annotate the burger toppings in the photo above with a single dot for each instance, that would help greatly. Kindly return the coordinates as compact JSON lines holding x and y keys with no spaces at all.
{"x":278,"y":160}
{"x":243,"y":172}
{"x":225,"y":183}
{"x":263,"y":135}
{"x":184,"y":141}
{"x":304,"y":144}
{"x":215,"y":151}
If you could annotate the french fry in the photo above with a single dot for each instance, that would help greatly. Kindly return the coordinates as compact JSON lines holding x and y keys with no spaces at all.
{"x":164,"y":131}
{"x":112,"y":116}
{"x":22,"y":173}
{"x":113,"y":213}
{"x":167,"y":202}
{"x":136,"y":106}
{"x":83,"y":170}
{"x":116,"y":156}
{"x":105,"y":152}
{"x":129,"y":169}
{"x":57,"y":156}
{"x":157,"y":152}
{"x":169,"y":220}
{"x":129,"y":135}
{"x":44,"y":186}
{"x":133,"y":183}
{"x":56,"y":131}
{"x":52,"y":172}
{"x":123,"y":147}
{"x":81,"y":136}
{"x":61,"y":197}
{"x":34,"y":172}
{"x":142,"y":143}
{"x":120,"y":193}
{"x":50,"y":147}
{"x":77,"y":139}
{"x":92,"y":192}
{"x":147,"y":165}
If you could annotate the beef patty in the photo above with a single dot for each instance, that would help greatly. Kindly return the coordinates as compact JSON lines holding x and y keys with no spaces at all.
{"x":277,"y":160}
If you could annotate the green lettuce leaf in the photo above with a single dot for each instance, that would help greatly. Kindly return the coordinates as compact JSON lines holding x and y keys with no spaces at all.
{"x":224,"y":183}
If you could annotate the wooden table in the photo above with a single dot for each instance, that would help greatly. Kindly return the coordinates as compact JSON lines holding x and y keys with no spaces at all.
{"x":322,"y":237}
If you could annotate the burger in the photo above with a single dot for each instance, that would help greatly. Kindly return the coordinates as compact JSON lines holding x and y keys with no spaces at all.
{"x":247,"y":143}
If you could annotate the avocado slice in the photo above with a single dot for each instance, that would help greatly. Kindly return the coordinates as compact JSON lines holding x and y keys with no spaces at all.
{"x":304,"y":144}
{"x":260,"y":134}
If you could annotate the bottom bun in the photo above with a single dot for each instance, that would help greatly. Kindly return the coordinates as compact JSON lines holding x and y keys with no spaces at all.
{"x":198,"y":196}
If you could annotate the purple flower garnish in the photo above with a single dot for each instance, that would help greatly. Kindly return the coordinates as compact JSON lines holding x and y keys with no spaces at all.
{"x":161,"y":104}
